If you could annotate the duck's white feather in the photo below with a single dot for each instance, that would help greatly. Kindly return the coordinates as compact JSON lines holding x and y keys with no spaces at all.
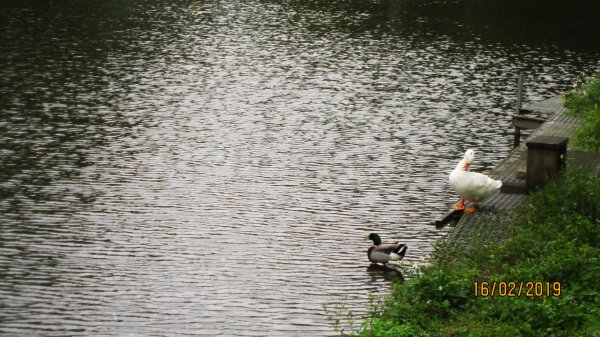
{"x":471,"y":185}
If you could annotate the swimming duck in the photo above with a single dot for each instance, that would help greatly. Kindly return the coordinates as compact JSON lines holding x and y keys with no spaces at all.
{"x":471,"y":186}
{"x":385,"y":253}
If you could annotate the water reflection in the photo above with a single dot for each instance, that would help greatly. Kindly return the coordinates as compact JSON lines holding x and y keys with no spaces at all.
{"x":378,"y":272}
{"x":209,"y":168}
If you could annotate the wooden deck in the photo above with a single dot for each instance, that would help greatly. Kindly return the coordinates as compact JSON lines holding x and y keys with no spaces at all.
{"x":512,"y":170}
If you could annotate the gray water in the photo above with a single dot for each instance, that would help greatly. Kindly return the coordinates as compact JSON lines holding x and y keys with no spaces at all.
{"x":191,"y":168}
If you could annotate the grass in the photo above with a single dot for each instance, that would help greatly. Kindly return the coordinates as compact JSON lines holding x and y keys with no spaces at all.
{"x":554,"y":237}
{"x":586,"y":106}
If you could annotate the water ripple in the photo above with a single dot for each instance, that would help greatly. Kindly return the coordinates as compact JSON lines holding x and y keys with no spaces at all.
{"x":210,"y":168}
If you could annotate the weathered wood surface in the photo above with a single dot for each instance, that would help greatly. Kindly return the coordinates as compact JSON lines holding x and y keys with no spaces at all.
{"x":546,"y":159}
{"x":527,"y":122}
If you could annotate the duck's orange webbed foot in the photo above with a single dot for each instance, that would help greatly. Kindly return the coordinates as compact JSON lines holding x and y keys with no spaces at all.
{"x":461,"y":206}
{"x":470,"y":209}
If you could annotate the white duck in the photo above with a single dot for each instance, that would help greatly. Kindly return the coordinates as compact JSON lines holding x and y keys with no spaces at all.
{"x":470,"y":185}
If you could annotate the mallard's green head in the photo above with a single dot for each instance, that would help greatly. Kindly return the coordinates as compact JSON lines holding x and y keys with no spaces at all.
{"x":376,"y":239}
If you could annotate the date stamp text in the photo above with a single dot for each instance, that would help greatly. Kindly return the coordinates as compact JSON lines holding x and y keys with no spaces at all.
{"x":516,"y":289}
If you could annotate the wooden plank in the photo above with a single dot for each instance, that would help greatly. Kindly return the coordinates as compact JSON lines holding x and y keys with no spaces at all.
{"x":526,"y":122}
{"x":546,"y":158}
{"x":530,"y":112}
{"x":513,"y":187}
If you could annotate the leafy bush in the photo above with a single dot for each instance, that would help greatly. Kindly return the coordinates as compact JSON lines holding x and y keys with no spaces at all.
{"x":587,"y":107}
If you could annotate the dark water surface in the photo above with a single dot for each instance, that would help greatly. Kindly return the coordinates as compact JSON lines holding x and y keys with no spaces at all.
{"x":189,"y":168}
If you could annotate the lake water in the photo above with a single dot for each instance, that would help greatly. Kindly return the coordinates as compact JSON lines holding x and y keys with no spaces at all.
{"x":202,"y":168}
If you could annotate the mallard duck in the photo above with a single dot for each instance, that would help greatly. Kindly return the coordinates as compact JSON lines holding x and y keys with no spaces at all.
{"x":471,"y":186}
{"x":385,"y":253}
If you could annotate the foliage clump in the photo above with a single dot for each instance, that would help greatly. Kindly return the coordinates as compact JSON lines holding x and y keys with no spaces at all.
{"x":554,"y":237}
{"x":586,"y":105}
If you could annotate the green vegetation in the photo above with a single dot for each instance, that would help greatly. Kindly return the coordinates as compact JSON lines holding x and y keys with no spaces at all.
{"x":554,"y":237}
{"x":587,"y":107}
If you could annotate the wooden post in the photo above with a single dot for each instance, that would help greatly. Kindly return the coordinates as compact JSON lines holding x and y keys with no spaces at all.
{"x":517,"y":137}
{"x":546,"y":158}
